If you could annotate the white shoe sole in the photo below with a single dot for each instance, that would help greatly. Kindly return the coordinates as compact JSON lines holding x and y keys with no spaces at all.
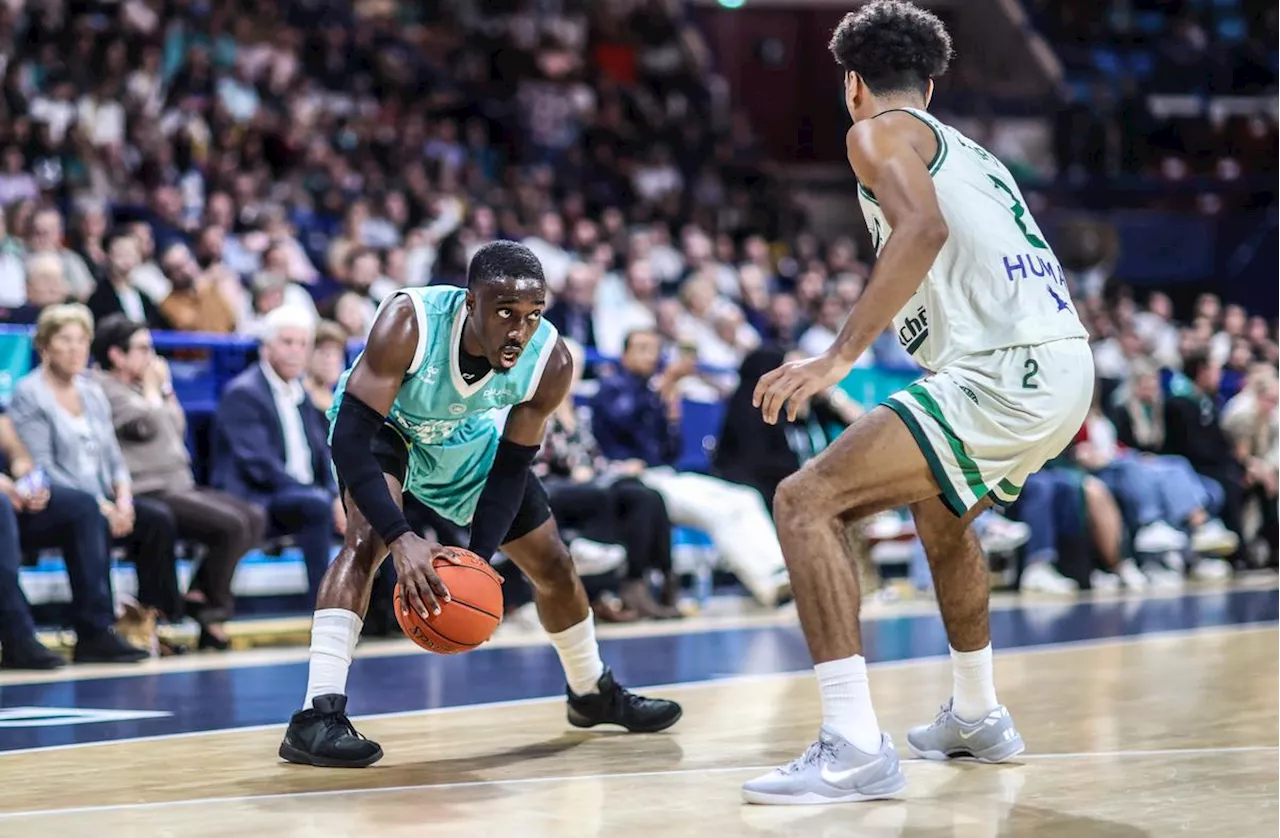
{"x":760,"y":798}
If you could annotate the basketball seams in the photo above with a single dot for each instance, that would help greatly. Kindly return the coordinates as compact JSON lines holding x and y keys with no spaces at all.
{"x":475,"y":609}
{"x":427,"y":626}
{"x":492,"y":574}
{"x":428,"y":633}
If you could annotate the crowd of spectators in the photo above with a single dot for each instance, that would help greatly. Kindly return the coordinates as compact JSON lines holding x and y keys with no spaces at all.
{"x":276,"y":168}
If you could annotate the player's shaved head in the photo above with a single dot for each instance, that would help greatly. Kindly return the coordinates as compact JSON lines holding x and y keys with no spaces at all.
{"x":896,"y":47}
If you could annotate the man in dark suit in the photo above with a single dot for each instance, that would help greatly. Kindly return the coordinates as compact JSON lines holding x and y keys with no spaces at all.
{"x":116,"y":293}
{"x":270,"y":446}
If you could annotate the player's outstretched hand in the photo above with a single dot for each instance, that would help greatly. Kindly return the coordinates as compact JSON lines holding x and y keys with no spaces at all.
{"x":421,"y":587}
{"x":794,"y":383}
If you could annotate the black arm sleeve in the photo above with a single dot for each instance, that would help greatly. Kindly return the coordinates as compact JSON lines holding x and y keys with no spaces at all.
{"x":501,"y":497}
{"x":353,"y":434}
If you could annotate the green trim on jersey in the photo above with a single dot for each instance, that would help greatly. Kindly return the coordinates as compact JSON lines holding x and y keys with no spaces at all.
{"x":939,"y":155}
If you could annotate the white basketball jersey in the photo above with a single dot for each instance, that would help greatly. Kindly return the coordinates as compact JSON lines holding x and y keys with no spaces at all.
{"x":996,"y":282}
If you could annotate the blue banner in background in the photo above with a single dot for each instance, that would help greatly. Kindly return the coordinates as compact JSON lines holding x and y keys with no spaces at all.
{"x":15,"y":362}
{"x":1164,"y":247}
{"x":870,"y":386}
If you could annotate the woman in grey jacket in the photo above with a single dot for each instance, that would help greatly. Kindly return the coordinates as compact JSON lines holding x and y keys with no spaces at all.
{"x":64,"y":419}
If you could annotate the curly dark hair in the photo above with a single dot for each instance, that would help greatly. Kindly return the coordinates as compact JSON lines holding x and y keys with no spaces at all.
{"x":893,"y":45}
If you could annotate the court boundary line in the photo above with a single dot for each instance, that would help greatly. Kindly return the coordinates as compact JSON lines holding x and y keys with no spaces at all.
{"x":1019,"y":651}
{"x":573,"y":778}
{"x":293,"y":655}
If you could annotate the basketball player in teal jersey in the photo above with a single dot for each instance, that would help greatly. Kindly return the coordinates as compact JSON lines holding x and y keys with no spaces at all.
{"x":416,"y":413}
{"x":977,"y":297}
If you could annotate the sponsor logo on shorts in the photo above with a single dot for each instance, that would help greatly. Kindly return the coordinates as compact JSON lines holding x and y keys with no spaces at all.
{"x":973,"y":397}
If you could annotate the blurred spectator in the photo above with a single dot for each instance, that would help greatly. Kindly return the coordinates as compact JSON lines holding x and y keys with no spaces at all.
{"x":1137,"y":410}
{"x":151,"y":429}
{"x":45,"y":287}
{"x":1060,"y":504}
{"x":195,"y":302}
{"x":269,"y":444}
{"x":148,"y":277}
{"x":607,"y":506}
{"x":35,"y":515}
{"x":354,"y":308}
{"x":327,"y":363}
{"x":753,"y":453}
{"x":636,"y":416}
{"x":632,"y":309}
{"x":573,"y":310}
{"x":116,"y":293}
{"x":46,"y":237}
{"x":1193,"y":429}
{"x":269,"y":291}
{"x":64,"y":420}
{"x":13,"y":284}
{"x":1162,"y":497}
{"x":1250,"y":422}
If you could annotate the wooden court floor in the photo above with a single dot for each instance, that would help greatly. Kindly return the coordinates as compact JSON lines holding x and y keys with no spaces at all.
{"x":1166,"y":735}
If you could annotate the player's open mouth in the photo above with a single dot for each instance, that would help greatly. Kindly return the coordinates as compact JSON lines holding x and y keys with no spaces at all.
{"x":510,"y":354}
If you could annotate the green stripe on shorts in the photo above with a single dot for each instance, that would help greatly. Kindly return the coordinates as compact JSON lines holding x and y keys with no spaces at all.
{"x":972,"y":475}
{"x":1007,"y":491}
{"x":949,"y":495}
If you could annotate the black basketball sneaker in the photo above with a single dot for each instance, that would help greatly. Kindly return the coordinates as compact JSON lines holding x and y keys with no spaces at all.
{"x":323,"y":736}
{"x":615,"y":705}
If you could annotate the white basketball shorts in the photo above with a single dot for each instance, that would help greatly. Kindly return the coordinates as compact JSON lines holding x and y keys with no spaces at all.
{"x":986,"y":421}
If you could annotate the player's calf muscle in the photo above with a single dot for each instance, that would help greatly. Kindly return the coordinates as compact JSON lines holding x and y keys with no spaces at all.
{"x":349,"y":581}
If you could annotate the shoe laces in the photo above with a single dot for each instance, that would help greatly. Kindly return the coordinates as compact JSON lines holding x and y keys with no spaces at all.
{"x":623,"y":698}
{"x":943,"y":714}
{"x":340,"y":721}
{"x":817,"y":753}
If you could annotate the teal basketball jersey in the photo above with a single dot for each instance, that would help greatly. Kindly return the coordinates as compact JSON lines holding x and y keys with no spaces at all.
{"x":450,"y":426}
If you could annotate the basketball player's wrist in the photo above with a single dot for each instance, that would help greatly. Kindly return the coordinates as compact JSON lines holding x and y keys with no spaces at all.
{"x":844,"y":354}
{"x":395,"y":534}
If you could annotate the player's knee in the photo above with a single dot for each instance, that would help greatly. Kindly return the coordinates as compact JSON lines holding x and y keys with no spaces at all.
{"x":552,"y":570}
{"x":796,"y":499}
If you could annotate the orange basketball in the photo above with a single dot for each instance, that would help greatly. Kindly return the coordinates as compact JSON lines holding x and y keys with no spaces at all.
{"x":471,"y":615}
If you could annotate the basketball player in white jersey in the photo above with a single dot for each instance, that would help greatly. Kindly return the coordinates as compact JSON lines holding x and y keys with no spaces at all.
{"x":977,"y":297}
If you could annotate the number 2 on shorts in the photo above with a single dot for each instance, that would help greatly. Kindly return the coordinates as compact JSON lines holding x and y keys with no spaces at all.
{"x":1032,"y":368}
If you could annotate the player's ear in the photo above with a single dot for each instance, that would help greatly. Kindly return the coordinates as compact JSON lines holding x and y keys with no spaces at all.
{"x":928,"y":92}
{"x":471,"y":301}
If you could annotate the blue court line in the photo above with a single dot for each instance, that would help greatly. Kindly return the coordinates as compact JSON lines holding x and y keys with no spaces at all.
{"x":236,"y":697}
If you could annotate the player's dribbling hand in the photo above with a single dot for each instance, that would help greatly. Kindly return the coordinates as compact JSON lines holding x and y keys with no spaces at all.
{"x":421,"y":587}
{"x":794,"y":383}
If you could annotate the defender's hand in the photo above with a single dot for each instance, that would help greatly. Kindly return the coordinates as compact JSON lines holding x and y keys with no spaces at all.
{"x":794,"y":383}
{"x":422,"y":588}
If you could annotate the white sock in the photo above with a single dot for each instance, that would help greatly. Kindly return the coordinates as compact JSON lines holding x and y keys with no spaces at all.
{"x":580,"y":656}
{"x":846,"y":702}
{"x":973,"y":690}
{"x":334,"y":634}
